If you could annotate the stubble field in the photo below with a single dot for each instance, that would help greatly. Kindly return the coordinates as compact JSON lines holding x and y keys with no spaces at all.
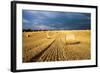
{"x":62,"y":45}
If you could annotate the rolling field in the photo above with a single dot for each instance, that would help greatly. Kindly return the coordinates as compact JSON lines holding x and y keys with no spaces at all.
{"x":62,"y":45}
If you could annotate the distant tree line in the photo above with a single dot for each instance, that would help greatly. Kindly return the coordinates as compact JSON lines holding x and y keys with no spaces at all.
{"x":27,"y":30}
{"x":30,"y":30}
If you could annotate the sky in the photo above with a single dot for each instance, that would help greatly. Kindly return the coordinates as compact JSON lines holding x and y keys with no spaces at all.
{"x":55,"y":20}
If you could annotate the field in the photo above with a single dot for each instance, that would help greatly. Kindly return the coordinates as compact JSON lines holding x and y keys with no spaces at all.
{"x":62,"y":45}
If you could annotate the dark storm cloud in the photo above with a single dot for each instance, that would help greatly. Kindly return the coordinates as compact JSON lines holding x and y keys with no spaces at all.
{"x":49,"y":20}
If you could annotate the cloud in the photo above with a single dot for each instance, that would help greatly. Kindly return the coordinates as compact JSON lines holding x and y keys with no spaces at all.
{"x":43,"y":14}
{"x":42,"y":27}
{"x":55,"y":20}
{"x":26,"y":21}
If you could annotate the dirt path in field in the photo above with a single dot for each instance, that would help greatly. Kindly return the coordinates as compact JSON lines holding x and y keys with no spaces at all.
{"x":54,"y":52}
{"x":34,"y":59}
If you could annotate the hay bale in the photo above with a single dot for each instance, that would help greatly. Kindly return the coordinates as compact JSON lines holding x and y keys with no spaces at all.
{"x":27,"y":35}
{"x":73,"y":43}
